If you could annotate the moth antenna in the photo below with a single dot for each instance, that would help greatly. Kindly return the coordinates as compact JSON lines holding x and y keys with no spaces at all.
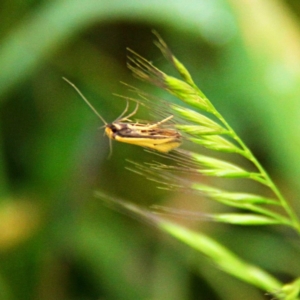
{"x":85,"y":100}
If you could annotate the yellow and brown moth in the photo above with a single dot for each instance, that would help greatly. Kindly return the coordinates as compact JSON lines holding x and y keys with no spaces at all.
{"x":151,"y":136}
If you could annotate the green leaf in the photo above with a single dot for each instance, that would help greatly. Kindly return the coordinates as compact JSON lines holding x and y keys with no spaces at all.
{"x":222,"y":257}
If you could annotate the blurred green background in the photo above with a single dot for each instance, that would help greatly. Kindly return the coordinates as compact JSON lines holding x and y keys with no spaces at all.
{"x":57,"y":241}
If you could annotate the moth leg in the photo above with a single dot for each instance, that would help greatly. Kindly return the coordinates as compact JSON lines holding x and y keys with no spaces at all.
{"x":161,"y":122}
{"x":130,"y":115}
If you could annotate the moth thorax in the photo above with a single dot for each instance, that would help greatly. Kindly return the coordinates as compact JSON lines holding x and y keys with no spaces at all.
{"x":112,"y":129}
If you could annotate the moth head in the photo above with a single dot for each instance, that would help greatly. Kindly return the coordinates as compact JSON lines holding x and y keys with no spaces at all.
{"x":110,"y":130}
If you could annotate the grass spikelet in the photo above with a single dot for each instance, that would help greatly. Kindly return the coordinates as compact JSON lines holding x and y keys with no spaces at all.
{"x":202,"y":124}
{"x":204,"y":128}
{"x":215,"y":142}
{"x":193,"y":117}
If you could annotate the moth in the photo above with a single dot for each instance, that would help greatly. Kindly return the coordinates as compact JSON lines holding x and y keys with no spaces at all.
{"x":149,"y":135}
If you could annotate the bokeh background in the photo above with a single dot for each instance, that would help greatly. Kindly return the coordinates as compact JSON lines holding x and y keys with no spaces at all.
{"x":59,"y":241}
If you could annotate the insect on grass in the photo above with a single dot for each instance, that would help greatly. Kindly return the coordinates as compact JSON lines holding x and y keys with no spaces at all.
{"x":145,"y":135}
